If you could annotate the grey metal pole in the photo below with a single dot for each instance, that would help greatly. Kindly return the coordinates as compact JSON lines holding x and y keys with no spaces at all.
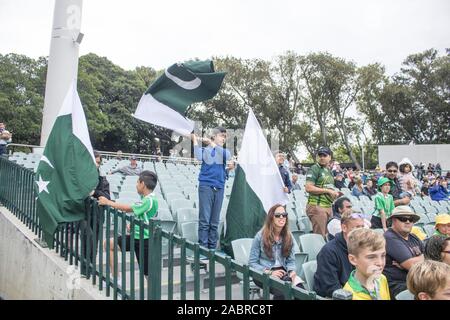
{"x":63,"y":60}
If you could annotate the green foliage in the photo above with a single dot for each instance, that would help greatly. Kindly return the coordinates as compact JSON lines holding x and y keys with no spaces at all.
{"x":303,"y":100}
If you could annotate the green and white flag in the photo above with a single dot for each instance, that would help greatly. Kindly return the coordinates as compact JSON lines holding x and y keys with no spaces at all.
{"x":66,"y":174}
{"x":257,"y":186}
{"x":165,"y":102}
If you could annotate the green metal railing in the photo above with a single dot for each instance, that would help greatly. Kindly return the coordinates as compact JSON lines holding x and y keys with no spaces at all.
{"x":83,"y":244}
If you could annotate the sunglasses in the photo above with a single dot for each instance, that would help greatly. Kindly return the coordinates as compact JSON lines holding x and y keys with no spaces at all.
{"x":281,"y":215}
{"x":357,"y":216}
{"x":405,"y":219}
{"x":392,"y":171}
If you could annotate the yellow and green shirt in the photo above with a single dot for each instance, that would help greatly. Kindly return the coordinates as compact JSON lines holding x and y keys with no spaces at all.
{"x":380,"y":292}
{"x":322,"y":178}
{"x":144,"y":210}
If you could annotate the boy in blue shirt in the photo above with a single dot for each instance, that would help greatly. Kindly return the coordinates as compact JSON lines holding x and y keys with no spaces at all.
{"x":211,"y":184}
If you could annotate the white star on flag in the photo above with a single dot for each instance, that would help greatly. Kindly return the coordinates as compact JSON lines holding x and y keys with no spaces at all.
{"x":42,"y":185}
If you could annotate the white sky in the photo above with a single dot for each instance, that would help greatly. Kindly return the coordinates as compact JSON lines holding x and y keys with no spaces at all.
{"x":158,"y":33}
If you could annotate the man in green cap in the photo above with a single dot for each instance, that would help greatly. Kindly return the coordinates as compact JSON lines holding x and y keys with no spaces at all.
{"x":320,"y":186}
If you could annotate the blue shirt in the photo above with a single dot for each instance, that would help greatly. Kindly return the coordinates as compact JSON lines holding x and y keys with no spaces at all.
{"x":212,"y":172}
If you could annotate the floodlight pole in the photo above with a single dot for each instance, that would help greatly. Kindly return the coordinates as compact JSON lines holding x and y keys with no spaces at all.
{"x":62,"y":61}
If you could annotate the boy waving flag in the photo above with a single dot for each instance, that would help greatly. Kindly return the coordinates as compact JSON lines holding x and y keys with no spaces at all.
{"x":165,"y":102}
{"x":66,"y":174}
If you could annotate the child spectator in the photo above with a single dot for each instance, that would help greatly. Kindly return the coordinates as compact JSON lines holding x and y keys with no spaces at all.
{"x":143,"y":210}
{"x":367,"y":253}
{"x":407,"y":181}
{"x":442,"y":225}
{"x":384,"y":205}
{"x":429,"y":280}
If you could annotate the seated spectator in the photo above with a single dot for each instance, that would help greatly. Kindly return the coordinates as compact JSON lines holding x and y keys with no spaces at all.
{"x":408,"y":182}
{"x":295,"y":185}
{"x":424,"y":189}
{"x":369,"y":189}
{"x":5,"y":138}
{"x":272,"y":250}
{"x":402,"y":247}
{"x":400,"y":198}
{"x":119,"y":155}
{"x":339,"y":182}
{"x":384,"y":205}
{"x":341,"y":205}
{"x":437,"y":248}
{"x":438,"y":191}
{"x":333,"y":266}
{"x":358,"y":189}
{"x":429,"y":280}
{"x":130,"y":170}
{"x":367,"y":253}
{"x":442,"y":225}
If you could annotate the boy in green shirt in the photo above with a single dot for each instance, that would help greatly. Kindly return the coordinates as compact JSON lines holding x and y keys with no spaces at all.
{"x":143,"y":210}
{"x":367,"y":252}
{"x":384,"y":205}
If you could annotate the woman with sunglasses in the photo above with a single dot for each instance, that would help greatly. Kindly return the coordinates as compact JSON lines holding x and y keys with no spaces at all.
{"x":272,"y":250}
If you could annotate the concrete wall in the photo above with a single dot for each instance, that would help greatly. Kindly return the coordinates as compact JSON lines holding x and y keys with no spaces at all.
{"x":28,"y":271}
{"x":426,"y":153}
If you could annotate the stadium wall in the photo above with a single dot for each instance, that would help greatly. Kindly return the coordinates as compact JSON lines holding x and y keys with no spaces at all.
{"x":28,"y":271}
{"x":426,"y":153}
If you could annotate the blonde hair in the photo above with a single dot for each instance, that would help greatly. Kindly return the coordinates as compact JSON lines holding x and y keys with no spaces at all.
{"x":427,"y":276}
{"x":362,"y":238}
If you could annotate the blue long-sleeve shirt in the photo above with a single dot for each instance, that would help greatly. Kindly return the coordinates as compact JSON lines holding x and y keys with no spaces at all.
{"x":213,"y":170}
{"x":438,"y":193}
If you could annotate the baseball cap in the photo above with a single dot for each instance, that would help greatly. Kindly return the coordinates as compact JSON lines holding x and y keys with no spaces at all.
{"x":324,"y":150}
{"x":133,"y":157}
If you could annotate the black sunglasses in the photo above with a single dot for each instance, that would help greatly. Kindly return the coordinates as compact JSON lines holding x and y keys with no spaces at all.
{"x":279,"y":215}
{"x":404,"y":219}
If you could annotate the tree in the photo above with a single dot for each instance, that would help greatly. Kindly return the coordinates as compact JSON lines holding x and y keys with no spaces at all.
{"x":22,"y":86}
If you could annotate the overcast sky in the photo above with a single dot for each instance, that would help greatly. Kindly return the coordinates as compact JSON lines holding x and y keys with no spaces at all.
{"x":158,"y":33}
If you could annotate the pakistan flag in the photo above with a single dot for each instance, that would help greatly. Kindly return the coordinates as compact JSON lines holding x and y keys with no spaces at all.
{"x":166,"y":101}
{"x":66,"y":174}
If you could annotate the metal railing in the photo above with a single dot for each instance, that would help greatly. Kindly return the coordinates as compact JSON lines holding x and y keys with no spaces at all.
{"x":81,"y":244}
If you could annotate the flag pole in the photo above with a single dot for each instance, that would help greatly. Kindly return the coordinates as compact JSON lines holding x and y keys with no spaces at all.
{"x":63,"y":60}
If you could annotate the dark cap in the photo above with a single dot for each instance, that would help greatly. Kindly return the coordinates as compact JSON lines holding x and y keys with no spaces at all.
{"x":324,"y":150}
{"x":218,"y":130}
{"x":133,"y":157}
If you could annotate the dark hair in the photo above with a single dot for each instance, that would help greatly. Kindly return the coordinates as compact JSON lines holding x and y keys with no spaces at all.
{"x":339,"y":203}
{"x":268,"y":234}
{"x":391,"y":164}
{"x":149,"y":178}
{"x":434,"y":247}
{"x":403,"y":166}
{"x":97,"y":154}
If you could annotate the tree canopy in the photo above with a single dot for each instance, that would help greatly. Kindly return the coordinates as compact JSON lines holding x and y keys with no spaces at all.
{"x":306,"y":100}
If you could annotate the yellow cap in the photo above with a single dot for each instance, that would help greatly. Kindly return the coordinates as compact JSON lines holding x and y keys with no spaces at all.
{"x":443,"y":218}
